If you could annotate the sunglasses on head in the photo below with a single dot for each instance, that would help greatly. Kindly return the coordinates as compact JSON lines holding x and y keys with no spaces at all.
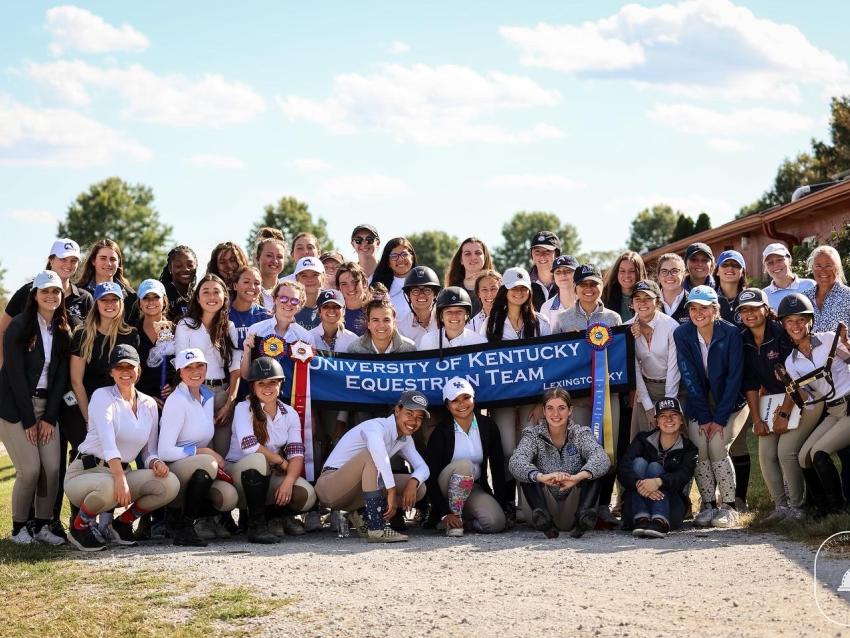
{"x":359,"y":240}
{"x":292,"y":301}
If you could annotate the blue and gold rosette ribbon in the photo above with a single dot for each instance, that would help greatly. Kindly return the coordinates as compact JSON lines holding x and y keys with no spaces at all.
{"x":598,"y":337}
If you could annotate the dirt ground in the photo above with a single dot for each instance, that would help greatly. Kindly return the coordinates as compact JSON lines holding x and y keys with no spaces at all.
{"x":715,"y":582}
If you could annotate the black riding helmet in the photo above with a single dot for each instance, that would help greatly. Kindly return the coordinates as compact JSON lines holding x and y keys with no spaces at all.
{"x":263,"y":368}
{"x":453,"y":296}
{"x":795,"y":304}
{"x":420,"y":276}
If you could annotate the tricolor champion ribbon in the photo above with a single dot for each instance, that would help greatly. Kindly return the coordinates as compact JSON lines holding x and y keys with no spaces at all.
{"x":598,"y":337}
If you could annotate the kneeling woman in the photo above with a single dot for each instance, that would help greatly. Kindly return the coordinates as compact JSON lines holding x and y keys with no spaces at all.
{"x":459,"y":453}
{"x":551,"y":461}
{"x":266,"y":456}
{"x":185,"y":436}
{"x":655,"y":470}
{"x":122,"y":423}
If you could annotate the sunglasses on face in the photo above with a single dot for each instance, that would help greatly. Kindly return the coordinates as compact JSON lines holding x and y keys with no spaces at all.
{"x":369,"y":240}
{"x":292,"y":301}
{"x":402,"y":255}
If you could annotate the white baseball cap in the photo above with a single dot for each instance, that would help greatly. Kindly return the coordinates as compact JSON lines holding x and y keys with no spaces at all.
{"x":514,"y":277}
{"x":309,"y":263}
{"x":455,"y":387}
{"x":63,"y":248}
{"x":187,"y":356}
{"x":47,"y":279}
{"x":776,"y":248}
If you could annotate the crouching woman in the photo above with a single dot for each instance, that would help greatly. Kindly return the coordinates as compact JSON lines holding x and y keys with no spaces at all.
{"x":655,"y":470}
{"x":557,"y":463}
{"x":266,"y":457}
{"x":122,"y":423}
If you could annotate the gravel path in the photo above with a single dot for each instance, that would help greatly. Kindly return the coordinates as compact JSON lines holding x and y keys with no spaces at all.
{"x":727,"y":583}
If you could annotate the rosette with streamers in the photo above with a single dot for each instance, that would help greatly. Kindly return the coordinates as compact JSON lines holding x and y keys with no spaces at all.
{"x":273,"y":346}
{"x":598,"y":336}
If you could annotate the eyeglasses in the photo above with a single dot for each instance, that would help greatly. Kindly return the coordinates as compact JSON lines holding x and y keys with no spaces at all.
{"x":369,"y":240}
{"x":405,"y":254}
{"x":292,"y":301}
{"x":670,"y":272}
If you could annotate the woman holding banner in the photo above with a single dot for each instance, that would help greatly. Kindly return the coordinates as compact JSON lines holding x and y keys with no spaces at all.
{"x":552,"y":460}
{"x":710,"y":355}
{"x":382,"y":336}
{"x":454,"y":307}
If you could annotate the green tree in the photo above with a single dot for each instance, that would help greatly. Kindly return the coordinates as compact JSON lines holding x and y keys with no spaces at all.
{"x":652,"y":228}
{"x":602,"y":258}
{"x":835,"y":158}
{"x":703,"y":223}
{"x":290,"y":216}
{"x":684,"y":228}
{"x":124,"y":213}
{"x":517,"y":233}
{"x":434,"y":248}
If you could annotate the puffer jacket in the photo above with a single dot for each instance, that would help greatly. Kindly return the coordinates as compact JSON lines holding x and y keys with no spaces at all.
{"x":536,"y":453}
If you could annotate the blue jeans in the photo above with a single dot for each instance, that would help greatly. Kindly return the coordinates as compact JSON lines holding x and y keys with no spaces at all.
{"x":646,"y":507}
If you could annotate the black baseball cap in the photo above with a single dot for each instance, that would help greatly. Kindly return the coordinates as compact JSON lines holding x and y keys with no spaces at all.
{"x":648,"y":287}
{"x":122,"y":353}
{"x":698,"y":247}
{"x":331,"y":295}
{"x":668,"y":403}
{"x":752,"y":297}
{"x":367,"y":227}
{"x":547,"y":239}
{"x":414,"y":400}
{"x":565,"y":261}
{"x":587,"y":272}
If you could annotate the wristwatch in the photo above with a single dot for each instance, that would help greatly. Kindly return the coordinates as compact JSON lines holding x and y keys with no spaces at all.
{"x":784,"y":415}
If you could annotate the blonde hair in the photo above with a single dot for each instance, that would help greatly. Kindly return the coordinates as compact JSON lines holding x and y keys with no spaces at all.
{"x":89,"y":330}
{"x":297,"y":286}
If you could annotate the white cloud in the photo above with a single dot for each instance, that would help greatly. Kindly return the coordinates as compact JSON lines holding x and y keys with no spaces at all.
{"x":532,"y":182}
{"x":429,"y":105}
{"x":311,"y":165}
{"x":171,"y":99}
{"x":216,"y":161}
{"x":398,"y":47}
{"x":359,"y":188}
{"x":33,"y":216}
{"x":61,"y":137}
{"x":694,"y":47}
{"x":74,"y":28}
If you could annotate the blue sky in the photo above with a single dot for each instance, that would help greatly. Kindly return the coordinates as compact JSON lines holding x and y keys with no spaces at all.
{"x":409,"y":116}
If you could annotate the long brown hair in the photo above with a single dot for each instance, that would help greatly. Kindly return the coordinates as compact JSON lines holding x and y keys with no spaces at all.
{"x":499,"y":312}
{"x":258,"y":418}
{"x":456,"y":273}
{"x":612,"y":292}
{"x":220,"y":333}
{"x":238,"y":253}
{"x":87,"y":276}
{"x":59,"y":325}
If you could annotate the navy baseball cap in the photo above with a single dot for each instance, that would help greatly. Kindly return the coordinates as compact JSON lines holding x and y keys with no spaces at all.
{"x":587,"y":272}
{"x":122,"y":353}
{"x":752,"y":297}
{"x":565,"y":261}
{"x":367,"y":227}
{"x":547,"y":239}
{"x":698,"y":247}
{"x":668,"y":403}
{"x":330,"y":296}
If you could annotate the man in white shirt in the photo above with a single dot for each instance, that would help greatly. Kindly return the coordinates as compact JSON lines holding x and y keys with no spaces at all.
{"x":358,"y":472}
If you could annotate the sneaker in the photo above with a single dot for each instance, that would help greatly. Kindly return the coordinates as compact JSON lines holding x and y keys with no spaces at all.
{"x":120,"y":533}
{"x":779,"y":513}
{"x":358,"y":523}
{"x":794,"y":514}
{"x":205,"y":528}
{"x":56,"y":528}
{"x":725,"y":516}
{"x":47,"y":537}
{"x":741,"y":505}
{"x":23,"y":537}
{"x":312,"y":521}
{"x":641,"y":524}
{"x":85,"y":539}
{"x":293,"y":527}
{"x":386,"y":535}
{"x":220,"y":527}
{"x":704,"y":518}
{"x":454,"y":531}
{"x":657,"y":528}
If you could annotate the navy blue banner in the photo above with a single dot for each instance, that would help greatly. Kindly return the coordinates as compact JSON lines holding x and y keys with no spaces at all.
{"x":509,"y":373}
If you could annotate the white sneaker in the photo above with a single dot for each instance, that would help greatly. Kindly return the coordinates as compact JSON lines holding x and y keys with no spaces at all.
{"x":454,"y":531}
{"x":22,"y":537}
{"x":704,"y":518}
{"x":312,"y":521}
{"x":725,"y":516}
{"x":386,"y":535}
{"x":48,"y":538}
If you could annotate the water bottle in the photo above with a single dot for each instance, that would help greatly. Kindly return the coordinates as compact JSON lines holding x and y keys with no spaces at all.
{"x":342,"y":526}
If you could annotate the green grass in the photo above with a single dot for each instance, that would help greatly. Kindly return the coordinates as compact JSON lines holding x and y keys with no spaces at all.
{"x":75,"y":595}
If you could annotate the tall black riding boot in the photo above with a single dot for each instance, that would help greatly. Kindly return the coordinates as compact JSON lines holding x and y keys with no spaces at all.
{"x":197,"y":493}
{"x":541,"y":520}
{"x":815,"y":498}
{"x":256,"y":486}
{"x":586,"y":511}
{"x":830,"y":480}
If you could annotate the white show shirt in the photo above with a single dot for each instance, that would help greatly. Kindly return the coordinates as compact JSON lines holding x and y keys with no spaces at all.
{"x":341,"y":341}
{"x":47,"y":341}
{"x":398,"y":300}
{"x":186,"y":423}
{"x":553,"y":307}
{"x":509,"y":334}
{"x":468,"y":447}
{"x":379,"y":436}
{"x":284,"y":433}
{"x":187,"y":337}
{"x":431,"y":341}
{"x":294,"y":332}
{"x":656,"y":360}
{"x":476,"y":322}
{"x":798,"y":365}
{"x":114,"y":432}
{"x":669,"y":309}
{"x":411,"y":328}
{"x":703,"y":350}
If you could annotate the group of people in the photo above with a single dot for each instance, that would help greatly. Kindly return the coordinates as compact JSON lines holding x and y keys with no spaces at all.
{"x":165,"y":403}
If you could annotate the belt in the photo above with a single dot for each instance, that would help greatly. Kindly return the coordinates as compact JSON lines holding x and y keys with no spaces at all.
{"x":91,"y":461}
{"x":832,"y":404}
{"x":655,"y":380}
{"x":39,"y":393}
{"x":215,"y":383}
